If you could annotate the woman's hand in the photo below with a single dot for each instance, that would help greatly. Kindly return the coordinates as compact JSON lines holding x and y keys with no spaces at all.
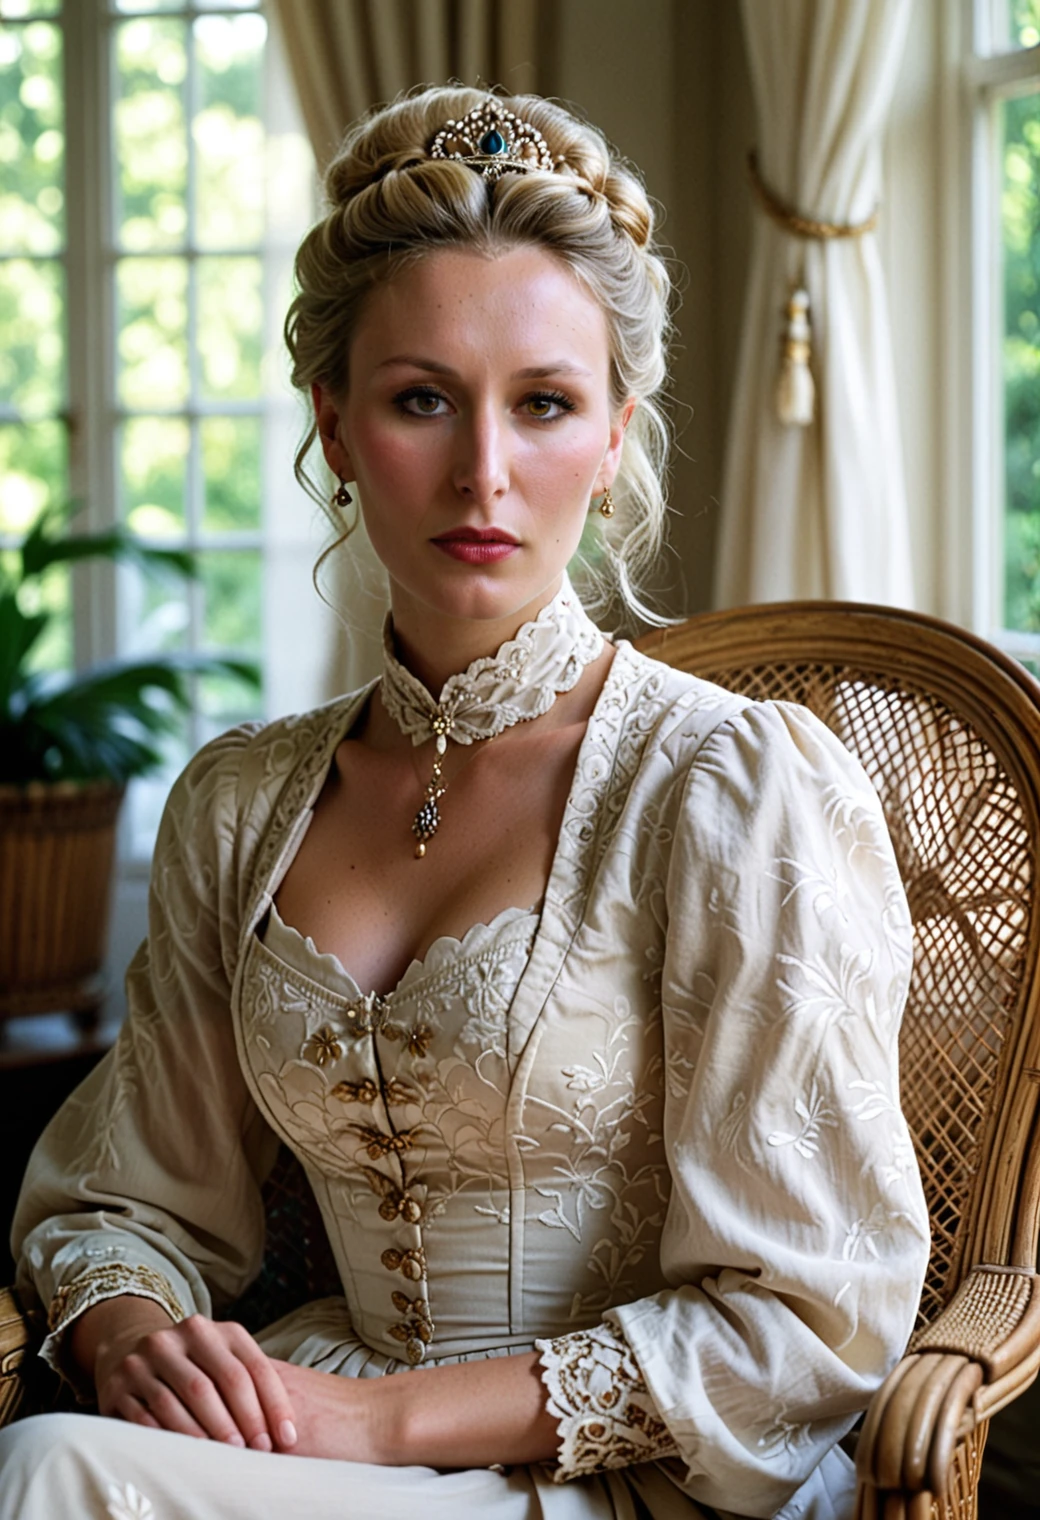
{"x":199,"y":1378}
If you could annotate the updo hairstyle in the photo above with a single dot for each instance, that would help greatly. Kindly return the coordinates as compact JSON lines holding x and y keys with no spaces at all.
{"x":390,"y":203}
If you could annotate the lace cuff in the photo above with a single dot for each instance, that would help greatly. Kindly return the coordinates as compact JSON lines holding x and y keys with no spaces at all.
{"x":91,"y":1287}
{"x":607,"y":1415}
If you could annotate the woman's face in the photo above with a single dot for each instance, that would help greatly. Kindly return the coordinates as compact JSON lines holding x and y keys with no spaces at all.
{"x":477,"y":424}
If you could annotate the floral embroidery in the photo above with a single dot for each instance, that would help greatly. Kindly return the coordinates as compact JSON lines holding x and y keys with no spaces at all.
{"x":815,"y":1115}
{"x":127,"y":1503}
{"x":397,"y":1203}
{"x":365,"y":1091}
{"x":378,"y":1145}
{"x":325,"y":1046}
{"x":417,"y":1040}
{"x":98,"y":1283}
{"x":607,"y":1415}
{"x":397,"y":1092}
{"x":784,"y":1437}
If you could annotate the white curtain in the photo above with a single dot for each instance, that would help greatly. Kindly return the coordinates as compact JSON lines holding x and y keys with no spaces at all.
{"x":349,"y":55}
{"x":818,"y":510}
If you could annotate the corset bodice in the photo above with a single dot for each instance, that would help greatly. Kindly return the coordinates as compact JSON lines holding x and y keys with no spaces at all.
{"x":405,"y":1111}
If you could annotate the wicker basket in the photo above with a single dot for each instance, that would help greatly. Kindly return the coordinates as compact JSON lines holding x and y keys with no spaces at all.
{"x":56,"y":848}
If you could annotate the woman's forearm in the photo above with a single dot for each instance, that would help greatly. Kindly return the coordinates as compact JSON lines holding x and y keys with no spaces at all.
{"x":472,"y":1414}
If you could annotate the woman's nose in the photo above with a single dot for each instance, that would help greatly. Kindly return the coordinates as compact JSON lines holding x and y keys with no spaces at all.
{"x":482,"y":464}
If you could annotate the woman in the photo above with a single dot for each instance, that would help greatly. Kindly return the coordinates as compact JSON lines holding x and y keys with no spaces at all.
{"x":574,"y":981}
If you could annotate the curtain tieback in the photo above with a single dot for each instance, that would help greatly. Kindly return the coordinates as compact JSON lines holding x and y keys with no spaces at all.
{"x":794,"y":222}
{"x":795,"y":387}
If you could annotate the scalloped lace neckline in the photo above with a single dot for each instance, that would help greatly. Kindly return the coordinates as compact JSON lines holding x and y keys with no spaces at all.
{"x":301,"y":953}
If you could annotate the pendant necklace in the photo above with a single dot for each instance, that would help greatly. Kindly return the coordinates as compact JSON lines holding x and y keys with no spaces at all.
{"x":520,"y":682}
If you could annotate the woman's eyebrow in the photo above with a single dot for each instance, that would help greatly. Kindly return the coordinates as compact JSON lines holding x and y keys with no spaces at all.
{"x":532,"y":372}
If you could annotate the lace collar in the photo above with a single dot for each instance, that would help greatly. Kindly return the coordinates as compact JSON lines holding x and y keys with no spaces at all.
{"x":518,"y":683}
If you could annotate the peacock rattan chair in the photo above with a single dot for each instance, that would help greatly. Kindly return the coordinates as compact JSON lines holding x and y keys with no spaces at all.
{"x":948,"y":729}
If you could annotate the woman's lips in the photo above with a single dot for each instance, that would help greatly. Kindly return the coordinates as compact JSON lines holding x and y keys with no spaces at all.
{"x":477,"y":546}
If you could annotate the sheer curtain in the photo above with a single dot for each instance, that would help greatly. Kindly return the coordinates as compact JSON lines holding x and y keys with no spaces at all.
{"x":818,"y":509}
{"x":346,"y":56}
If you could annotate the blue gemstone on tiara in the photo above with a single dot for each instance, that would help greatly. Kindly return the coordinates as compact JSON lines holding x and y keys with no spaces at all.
{"x":492,"y":142}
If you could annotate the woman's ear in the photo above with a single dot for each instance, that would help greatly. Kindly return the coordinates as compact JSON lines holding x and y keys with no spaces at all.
{"x":612,"y":458}
{"x":327,"y":418}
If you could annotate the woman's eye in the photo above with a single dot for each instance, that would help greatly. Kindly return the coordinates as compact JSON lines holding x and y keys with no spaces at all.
{"x":421,"y":403}
{"x":547,"y":407}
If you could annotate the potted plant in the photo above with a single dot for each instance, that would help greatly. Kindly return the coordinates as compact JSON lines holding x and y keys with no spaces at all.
{"x":69,"y":743}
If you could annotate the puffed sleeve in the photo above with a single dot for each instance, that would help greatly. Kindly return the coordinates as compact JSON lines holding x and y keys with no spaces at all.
{"x":796,"y":1238}
{"x":147,"y":1181}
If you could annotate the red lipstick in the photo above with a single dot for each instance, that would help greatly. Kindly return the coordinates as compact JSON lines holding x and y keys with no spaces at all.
{"x":477,"y":546}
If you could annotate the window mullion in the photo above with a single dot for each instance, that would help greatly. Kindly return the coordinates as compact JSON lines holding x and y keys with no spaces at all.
{"x":89,"y":313}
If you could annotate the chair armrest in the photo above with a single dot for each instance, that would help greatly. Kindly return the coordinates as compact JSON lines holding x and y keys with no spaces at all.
{"x":981,"y":1352}
{"x":20,"y":1334}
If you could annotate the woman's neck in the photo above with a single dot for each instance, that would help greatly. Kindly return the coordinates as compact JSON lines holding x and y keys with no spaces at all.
{"x":434,"y":647}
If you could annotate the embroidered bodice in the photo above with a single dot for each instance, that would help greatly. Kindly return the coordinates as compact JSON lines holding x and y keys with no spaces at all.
{"x":397,"y":1107}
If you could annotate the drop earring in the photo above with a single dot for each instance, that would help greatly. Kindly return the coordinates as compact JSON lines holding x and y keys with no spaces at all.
{"x":606,"y":506}
{"x":341,"y":497}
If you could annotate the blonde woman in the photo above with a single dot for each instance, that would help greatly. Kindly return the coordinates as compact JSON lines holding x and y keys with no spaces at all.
{"x":574,"y":982}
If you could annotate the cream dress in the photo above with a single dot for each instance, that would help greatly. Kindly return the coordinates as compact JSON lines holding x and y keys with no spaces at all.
{"x":653,"y":1129}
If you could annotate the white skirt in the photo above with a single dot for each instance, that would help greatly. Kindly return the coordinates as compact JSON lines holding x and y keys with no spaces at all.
{"x":87,"y":1467}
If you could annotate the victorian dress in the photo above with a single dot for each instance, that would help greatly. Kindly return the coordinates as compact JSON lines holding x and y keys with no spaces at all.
{"x":650,"y":1126}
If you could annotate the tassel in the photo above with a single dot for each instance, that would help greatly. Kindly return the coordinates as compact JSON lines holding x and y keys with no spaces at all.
{"x":795,"y":391}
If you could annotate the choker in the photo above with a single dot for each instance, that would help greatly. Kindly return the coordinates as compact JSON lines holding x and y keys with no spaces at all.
{"x":517,"y":684}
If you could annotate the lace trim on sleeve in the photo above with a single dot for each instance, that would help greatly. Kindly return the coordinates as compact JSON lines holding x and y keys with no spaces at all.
{"x":607,"y":1415}
{"x":92,"y":1287}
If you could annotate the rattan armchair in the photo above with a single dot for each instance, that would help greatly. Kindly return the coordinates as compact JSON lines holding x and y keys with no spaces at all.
{"x":948,"y":729}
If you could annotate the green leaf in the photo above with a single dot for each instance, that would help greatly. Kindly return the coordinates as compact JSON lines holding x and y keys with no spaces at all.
{"x":104,"y":722}
{"x":18,"y":634}
{"x":40,"y":552}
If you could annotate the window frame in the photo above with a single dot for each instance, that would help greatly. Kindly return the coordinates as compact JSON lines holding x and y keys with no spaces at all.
{"x":983,"y":78}
{"x":297,"y":659}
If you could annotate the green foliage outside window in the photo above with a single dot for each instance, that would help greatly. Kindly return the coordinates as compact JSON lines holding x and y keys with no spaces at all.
{"x":1021,"y":348}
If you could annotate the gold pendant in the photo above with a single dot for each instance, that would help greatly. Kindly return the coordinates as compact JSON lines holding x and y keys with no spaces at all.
{"x":428,"y":819}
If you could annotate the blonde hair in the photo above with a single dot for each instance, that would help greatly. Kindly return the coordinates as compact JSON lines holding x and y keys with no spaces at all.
{"x":389,"y":203}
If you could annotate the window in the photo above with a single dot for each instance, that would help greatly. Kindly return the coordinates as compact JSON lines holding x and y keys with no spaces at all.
{"x":155,"y":182}
{"x":1004,"y":74}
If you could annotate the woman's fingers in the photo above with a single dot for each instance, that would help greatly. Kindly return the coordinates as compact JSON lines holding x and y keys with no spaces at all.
{"x":201,"y":1379}
{"x":278,"y":1413}
{"x":133,"y":1410}
{"x":145,"y":1400}
{"x":196,"y":1362}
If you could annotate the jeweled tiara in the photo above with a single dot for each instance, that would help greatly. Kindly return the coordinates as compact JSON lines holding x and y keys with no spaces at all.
{"x":493,"y":141}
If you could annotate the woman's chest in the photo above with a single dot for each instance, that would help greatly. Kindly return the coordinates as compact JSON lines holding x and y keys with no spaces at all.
{"x":356,"y":886}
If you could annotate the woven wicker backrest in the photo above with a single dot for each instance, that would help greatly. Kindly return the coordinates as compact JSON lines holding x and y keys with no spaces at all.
{"x":948,"y":731}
